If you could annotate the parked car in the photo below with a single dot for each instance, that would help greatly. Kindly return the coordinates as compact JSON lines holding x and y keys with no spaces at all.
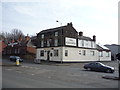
{"x":14,"y":58}
{"x":97,"y":66}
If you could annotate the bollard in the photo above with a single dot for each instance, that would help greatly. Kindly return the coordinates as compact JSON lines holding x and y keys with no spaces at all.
{"x":17,"y":62}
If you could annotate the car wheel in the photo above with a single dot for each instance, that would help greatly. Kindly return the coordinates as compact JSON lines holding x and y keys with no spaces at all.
{"x":89,"y":69}
{"x":108,"y":71}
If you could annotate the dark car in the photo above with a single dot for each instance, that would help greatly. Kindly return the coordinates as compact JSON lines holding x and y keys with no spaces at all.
{"x":97,"y":66}
{"x":14,"y":58}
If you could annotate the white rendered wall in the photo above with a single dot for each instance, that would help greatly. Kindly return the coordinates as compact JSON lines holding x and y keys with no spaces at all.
{"x":104,"y":57}
{"x":74,"y":56}
{"x":51,"y":58}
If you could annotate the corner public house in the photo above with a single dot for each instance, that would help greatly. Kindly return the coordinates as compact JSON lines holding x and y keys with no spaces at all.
{"x":64,"y":44}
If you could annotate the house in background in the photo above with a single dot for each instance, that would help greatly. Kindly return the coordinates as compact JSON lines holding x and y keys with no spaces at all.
{"x":65,"y":44}
{"x":115,"y":49}
{"x":24,"y":48}
{"x":2,"y":46}
{"x":104,"y":53}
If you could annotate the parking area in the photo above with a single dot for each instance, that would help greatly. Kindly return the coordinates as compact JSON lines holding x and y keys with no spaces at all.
{"x":70,"y":75}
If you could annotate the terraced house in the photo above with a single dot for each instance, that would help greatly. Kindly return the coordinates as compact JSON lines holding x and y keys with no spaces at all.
{"x":65,"y":44}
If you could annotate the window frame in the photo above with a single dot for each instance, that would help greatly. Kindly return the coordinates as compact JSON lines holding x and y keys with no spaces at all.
{"x":56,"y":52}
{"x":56,"y":33}
{"x":92,"y":53}
{"x":42,"y":53}
{"x":42,"y":36}
{"x":66,"y":53}
{"x":84,"y":52}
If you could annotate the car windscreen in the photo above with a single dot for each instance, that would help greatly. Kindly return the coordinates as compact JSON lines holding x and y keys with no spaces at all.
{"x":18,"y":57}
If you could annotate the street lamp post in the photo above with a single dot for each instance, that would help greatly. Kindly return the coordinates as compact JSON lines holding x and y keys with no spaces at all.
{"x":59,"y":22}
{"x":61,"y":39}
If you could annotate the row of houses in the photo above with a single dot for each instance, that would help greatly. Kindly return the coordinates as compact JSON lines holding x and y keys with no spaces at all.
{"x":23,"y":47}
{"x":60,"y":44}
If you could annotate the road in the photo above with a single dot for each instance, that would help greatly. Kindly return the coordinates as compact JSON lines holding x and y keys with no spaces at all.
{"x":55,"y":75}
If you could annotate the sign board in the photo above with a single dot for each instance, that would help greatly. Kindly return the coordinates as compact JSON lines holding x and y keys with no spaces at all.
{"x":70,"y":41}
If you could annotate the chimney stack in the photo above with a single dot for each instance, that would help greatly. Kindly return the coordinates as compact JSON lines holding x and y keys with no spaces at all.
{"x":27,"y":38}
{"x":94,"y":38}
{"x":20,"y":38}
{"x":70,"y":24}
{"x":80,"y":33}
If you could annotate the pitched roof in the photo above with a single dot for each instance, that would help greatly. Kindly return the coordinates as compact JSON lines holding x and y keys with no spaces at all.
{"x":102,"y":48}
{"x":85,"y":38}
{"x":69,"y":25}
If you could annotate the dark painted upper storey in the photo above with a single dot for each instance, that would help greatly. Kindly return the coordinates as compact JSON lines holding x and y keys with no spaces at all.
{"x":63,"y":31}
{"x":67,"y":30}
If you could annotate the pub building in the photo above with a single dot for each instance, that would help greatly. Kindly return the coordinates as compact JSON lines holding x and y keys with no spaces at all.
{"x":65,"y":44}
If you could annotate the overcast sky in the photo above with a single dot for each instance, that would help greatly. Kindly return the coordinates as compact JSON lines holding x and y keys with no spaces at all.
{"x":93,"y":17}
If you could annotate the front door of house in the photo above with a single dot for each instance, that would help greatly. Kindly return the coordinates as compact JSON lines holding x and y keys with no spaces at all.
{"x":48,"y":55}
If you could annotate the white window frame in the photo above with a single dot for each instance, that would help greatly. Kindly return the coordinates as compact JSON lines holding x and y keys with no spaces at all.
{"x":84,"y":52}
{"x":83,"y":43}
{"x":100,"y":53}
{"x":48,"y":43}
{"x":107,"y":54}
{"x":56,"y":42}
{"x":56,"y":52}
{"x":41,"y":53}
{"x":42,"y":43}
{"x":92,"y":53}
{"x":66,"y":53}
{"x":42,"y":36}
{"x":56,"y":33}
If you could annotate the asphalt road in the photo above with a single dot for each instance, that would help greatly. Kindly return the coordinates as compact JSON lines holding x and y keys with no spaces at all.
{"x":55,"y":75}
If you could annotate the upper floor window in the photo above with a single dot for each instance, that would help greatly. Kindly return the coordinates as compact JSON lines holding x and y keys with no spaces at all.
{"x":42,"y":44}
{"x":56,"y":42}
{"x":91,"y":44}
{"x":48,"y":43}
{"x":42,"y":36}
{"x":82,"y":42}
{"x":56,"y":33}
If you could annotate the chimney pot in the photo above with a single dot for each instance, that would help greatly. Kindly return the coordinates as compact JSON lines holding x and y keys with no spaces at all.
{"x":80,"y":33}
{"x":70,"y":24}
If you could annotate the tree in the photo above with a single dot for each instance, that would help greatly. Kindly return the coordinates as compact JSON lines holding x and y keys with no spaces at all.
{"x":13,"y":35}
{"x":16,"y":33}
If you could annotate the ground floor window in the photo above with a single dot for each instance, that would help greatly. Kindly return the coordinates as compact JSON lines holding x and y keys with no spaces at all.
{"x":92,"y":53}
{"x":66,"y":52}
{"x":42,"y":53}
{"x":101,"y":54}
{"x":84,"y":52}
{"x":107,"y":54}
{"x":55,"y":52}
{"x":80,"y":52}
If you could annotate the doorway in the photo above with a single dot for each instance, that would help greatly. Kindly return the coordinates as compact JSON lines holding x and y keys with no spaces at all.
{"x":48,"y":55}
